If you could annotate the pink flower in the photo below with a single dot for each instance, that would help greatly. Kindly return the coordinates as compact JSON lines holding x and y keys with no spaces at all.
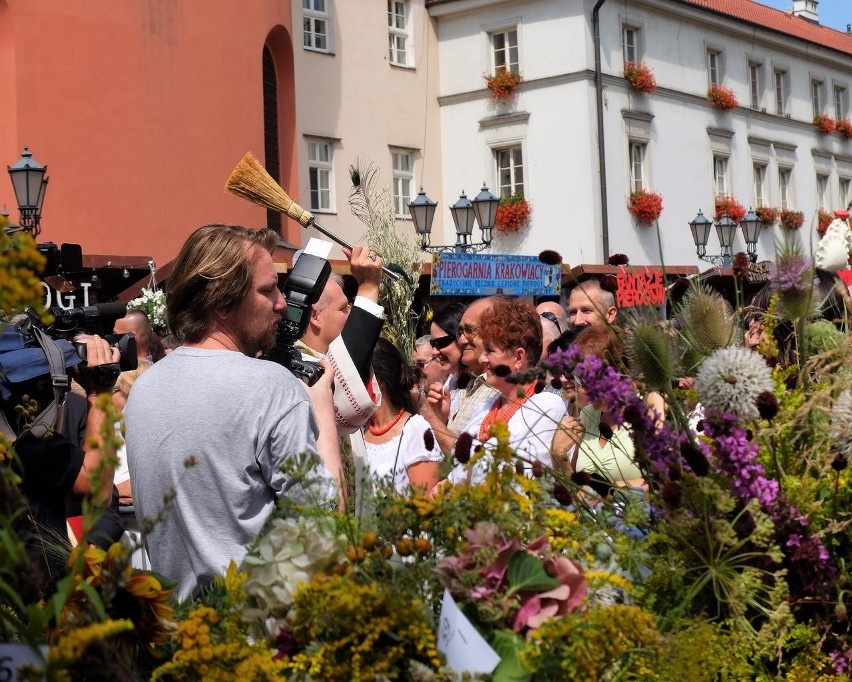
{"x":536,"y":608}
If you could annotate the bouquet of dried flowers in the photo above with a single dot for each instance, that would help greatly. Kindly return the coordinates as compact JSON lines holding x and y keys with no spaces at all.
{"x":844,"y":127}
{"x":824,"y":124}
{"x":513,"y":213}
{"x":640,"y":77}
{"x":730,"y":207}
{"x":502,"y":84}
{"x":722,"y":97}
{"x":767,"y":214}
{"x":790,"y":219}
{"x":645,"y":206}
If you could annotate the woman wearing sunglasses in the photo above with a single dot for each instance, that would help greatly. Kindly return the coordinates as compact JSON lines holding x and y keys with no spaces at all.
{"x":444,"y":331}
{"x":512,"y":341}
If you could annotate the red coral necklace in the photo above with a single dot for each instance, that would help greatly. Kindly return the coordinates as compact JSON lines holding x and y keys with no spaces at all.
{"x":502,"y":412}
{"x":381,"y":431}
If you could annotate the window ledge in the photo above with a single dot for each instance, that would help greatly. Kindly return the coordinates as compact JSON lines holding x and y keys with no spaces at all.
{"x":316,"y":50}
{"x":404,"y":67}
{"x":504,"y":119}
{"x":324,"y":211}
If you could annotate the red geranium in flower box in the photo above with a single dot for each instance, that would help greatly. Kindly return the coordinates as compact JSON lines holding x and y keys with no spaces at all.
{"x":790,"y":219}
{"x":722,"y":97}
{"x":730,"y":206}
{"x":824,"y":219}
{"x":767,"y":215}
{"x":824,"y":124}
{"x":640,"y":77}
{"x":645,"y":206}
{"x":844,"y":127}
{"x":513,"y":213}
{"x":502,"y":84}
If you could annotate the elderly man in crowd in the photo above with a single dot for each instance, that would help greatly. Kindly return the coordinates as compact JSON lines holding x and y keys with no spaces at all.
{"x":148,"y":346}
{"x":209,"y":427}
{"x":589,"y":304}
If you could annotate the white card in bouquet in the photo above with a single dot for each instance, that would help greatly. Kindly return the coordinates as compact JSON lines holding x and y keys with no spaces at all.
{"x":458,"y":640}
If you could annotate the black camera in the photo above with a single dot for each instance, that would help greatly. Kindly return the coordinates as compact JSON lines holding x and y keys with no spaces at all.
{"x":305,"y":285}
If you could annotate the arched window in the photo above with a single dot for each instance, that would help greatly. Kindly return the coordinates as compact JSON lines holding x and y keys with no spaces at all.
{"x":270,"y":131}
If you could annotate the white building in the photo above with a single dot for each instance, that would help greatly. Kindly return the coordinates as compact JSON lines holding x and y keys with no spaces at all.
{"x":783,"y":68}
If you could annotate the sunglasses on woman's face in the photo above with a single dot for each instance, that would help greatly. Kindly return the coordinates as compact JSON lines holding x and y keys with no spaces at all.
{"x":441,"y":342}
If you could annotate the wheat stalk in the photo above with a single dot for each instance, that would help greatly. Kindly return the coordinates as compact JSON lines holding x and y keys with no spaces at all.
{"x":250,"y":180}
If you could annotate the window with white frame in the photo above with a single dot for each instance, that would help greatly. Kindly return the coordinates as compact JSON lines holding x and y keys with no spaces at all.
{"x":822,"y":191}
{"x":780,"y":91}
{"x":636,"y":151}
{"x":754,"y":78}
{"x":403,"y":180}
{"x":759,"y":185}
{"x":816,"y":97}
{"x":784,"y":179}
{"x":720,"y":175}
{"x":504,"y":50}
{"x":845,"y":189}
{"x":630,"y":44}
{"x":714,"y":67}
{"x":398,"y":51}
{"x":510,"y":170}
{"x":320,"y":173}
{"x":839,"y":102}
{"x":315,"y":17}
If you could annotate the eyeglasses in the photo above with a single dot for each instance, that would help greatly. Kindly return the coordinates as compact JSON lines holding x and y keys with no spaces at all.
{"x":421,"y":364}
{"x":547,"y":315}
{"x":441,"y":342}
{"x":468,"y":331}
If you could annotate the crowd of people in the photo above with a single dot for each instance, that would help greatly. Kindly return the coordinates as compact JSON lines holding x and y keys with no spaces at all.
{"x":207,"y":426}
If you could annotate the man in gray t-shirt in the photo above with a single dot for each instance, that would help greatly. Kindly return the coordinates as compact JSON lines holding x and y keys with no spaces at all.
{"x":210,"y":425}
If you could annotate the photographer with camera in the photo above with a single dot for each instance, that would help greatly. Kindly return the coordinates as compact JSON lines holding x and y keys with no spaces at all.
{"x":34,"y":385}
{"x":209,"y":426}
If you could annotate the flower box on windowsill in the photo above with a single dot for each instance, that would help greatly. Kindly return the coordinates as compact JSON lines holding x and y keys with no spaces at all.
{"x":844,"y":127}
{"x":767,"y":215}
{"x":824,"y":124}
{"x":503,"y":84}
{"x":646,"y":207}
{"x":824,"y":219}
{"x":730,"y":207}
{"x":640,"y":77}
{"x":791,"y":220}
{"x":722,"y":97}
{"x":513,"y":213}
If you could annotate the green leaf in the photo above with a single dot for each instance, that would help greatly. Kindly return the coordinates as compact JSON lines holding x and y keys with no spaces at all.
{"x":526,"y":574}
{"x":507,"y":645}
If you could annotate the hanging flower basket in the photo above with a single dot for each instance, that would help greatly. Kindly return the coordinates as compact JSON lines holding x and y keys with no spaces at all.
{"x":844,"y":127}
{"x":503,"y":84}
{"x":645,"y":206}
{"x":824,"y":219}
{"x":152,"y":302}
{"x":824,"y":124}
{"x":730,"y":206}
{"x":767,"y":215}
{"x":640,"y":77}
{"x":791,"y":220}
{"x":513,"y":213}
{"x":722,"y":98}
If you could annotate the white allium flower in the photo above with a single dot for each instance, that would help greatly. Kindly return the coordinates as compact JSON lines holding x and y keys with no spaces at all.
{"x":730,"y":380}
{"x":291,"y":553}
{"x":841,"y":423}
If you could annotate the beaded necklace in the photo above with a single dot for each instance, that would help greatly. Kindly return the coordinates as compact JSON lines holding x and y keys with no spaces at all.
{"x":502,"y":412}
{"x":384,"y":429}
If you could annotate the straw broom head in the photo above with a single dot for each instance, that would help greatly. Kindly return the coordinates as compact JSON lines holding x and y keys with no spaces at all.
{"x":250,"y":180}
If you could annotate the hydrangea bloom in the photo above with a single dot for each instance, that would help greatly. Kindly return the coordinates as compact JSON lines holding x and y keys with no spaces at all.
{"x":730,"y":380}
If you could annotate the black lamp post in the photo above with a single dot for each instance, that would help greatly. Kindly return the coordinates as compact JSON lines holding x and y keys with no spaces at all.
{"x":726,"y":229}
{"x":30,"y":184}
{"x":483,"y":210}
{"x":752,"y":226}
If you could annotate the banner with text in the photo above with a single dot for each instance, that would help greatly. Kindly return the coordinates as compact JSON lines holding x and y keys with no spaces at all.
{"x":476,"y":274}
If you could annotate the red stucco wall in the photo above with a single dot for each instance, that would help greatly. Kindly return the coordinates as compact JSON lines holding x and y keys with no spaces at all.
{"x":140,"y":109}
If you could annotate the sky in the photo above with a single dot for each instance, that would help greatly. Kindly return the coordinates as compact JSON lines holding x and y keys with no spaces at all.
{"x":833,"y":13}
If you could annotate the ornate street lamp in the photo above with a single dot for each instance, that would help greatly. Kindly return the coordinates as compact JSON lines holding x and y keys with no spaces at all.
{"x":483,"y":210}
{"x":751,"y":225}
{"x":725,"y":231}
{"x":30,"y":184}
